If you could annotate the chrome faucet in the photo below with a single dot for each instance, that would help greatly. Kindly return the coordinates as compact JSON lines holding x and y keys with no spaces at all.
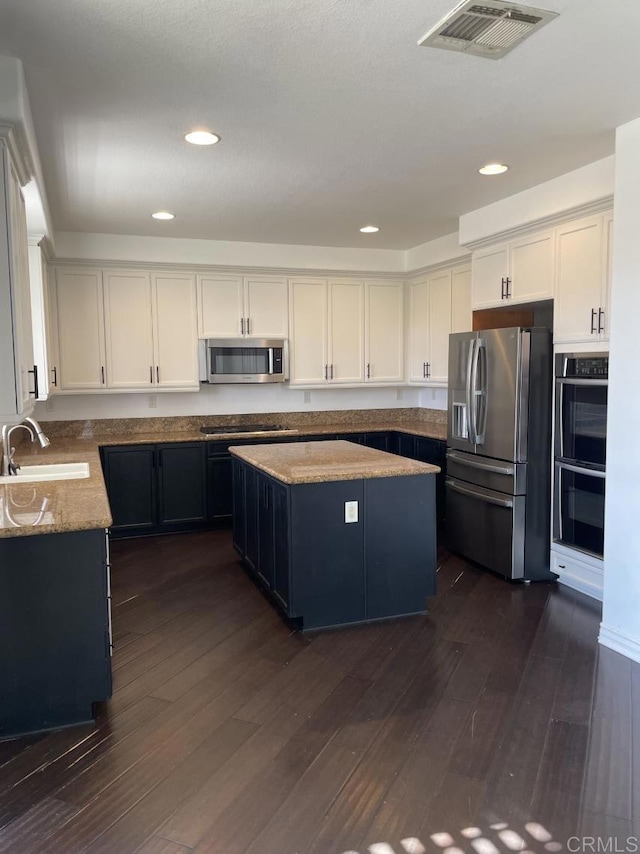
{"x":9,"y":466}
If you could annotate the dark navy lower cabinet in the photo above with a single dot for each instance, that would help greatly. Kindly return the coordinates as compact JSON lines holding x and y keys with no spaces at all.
{"x":55,"y":657}
{"x":323,"y":571}
{"x":156,"y":489}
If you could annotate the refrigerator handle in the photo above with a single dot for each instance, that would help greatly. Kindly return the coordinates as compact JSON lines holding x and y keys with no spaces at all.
{"x":470,"y":401}
{"x":476,"y":393}
{"x":482,"y":496}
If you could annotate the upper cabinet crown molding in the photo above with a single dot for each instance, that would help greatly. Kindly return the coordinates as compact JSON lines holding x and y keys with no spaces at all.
{"x":16,"y":141}
{"x":551,"y":221}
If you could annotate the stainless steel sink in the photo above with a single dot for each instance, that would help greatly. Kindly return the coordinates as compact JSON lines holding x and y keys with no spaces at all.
{"x":55,"y":471}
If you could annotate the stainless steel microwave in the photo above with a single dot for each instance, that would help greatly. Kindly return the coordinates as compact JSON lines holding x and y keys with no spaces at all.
{"x":244,"y":360}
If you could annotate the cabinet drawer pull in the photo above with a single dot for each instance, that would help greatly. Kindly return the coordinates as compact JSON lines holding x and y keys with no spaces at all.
{"x":332,"y":371}
{"x":508,"y":288}
{"x":326,"y":372}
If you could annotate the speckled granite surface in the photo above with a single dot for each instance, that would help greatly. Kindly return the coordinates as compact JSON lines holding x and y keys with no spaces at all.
{"x":57,"y":506}
{"x":319,"y":462}
{"x":76,"y":505}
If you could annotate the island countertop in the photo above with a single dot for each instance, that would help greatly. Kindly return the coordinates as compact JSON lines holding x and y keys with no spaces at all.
{"x":318,"y":462}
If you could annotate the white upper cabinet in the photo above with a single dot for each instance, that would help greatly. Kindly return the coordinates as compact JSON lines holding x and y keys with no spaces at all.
{"x":489,"y":272}
{"x":237,"y":306}
{"x":175,"y":331}
{"x":582,"y":276}
{"x":346,"y":331}
{"x":129,"y":329}
{"x":308,"y":307}
{"x":461,"y":314}
{"x":77,"y":326}
{"x":384,"y":341}
{"x":439,"y":303}
{"x":266,"y":307}
{"x":18,"y":374}
{"x":221,"y":310}
{"x":515,"y":272}
{"x":439,"y":326}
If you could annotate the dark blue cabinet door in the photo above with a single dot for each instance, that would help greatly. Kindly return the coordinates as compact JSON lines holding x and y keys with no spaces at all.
{"x":239,"y":507}
{"x":265,"y":565}
{"x":379,"y":441}
{"x":282,"y":566}
{"x":252,"y":542}
{"x":130,"y":476}
{"x":181,"y":474}
{"x":219,"y":489}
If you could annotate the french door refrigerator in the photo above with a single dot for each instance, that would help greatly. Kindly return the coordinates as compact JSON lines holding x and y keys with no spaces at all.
{"x":498,"y":485}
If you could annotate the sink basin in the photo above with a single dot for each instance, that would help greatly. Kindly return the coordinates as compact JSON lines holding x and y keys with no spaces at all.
{"x":57,"y":471}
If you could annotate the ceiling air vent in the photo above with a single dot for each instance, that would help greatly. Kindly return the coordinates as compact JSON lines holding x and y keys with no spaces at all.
{"x":490,"y":29}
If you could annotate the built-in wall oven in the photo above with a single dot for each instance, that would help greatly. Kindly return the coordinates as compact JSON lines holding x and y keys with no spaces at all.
{"x":580,"y":450}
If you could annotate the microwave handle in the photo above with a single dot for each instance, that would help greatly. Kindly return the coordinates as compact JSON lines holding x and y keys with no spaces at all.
{"x":270,"y":360}
{"x":571,"y":381}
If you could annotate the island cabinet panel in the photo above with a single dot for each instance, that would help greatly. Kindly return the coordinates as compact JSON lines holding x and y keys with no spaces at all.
{"x":54,"y":630}
{"x":327,"y":555}
{"x":323,"y":570}
{"x":396,"y":581}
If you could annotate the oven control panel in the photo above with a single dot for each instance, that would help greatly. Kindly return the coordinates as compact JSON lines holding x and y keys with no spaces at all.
{"x":583,"y":366}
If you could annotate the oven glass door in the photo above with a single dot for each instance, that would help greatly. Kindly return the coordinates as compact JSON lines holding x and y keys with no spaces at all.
{"x":581,"y":421}
{"x":579,"y":508}
{"x":241,"y":360}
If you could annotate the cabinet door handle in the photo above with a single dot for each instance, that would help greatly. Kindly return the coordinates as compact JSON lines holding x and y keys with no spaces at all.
{"x":102,"y":373}
{"x":326,"y":372}
{"x":242,"y":326}
{"x":428,"y":369}
{"x":593,"y":321}
{"x":508,"y":288}
{"x":424,"y":370}
{"x":248,"y":319}
{"x":54,"y":371}
{"x":368,"y":370}
{"x":151,"y":373}
{"x":332,"y":371}
{"x":502,"y":290}
{"x":158,"y":374}
{"x":35,"y":381}
{"x":600,"y":320}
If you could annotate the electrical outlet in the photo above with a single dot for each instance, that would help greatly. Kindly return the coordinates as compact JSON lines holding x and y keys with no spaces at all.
{"x":307,"y":397}
{"x":153,"y":401}
{"x":350,"y":511}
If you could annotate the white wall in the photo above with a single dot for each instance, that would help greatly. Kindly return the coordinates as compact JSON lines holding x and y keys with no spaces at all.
{"x":174,"y":250}
{"x":620,"y":628}
{"x":590,"y":184}
{"x":226,"y":400}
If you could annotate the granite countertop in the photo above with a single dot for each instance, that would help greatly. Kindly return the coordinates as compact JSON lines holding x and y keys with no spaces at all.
{"x":56,"y":506}
{"x":319,"y":462}
{"x":76,"y":505}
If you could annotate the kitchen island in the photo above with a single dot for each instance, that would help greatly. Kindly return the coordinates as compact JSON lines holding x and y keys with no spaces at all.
{"x":335,"y":532}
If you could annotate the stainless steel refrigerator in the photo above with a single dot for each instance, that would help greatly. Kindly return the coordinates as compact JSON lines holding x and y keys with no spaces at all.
{"x":498,"y":483}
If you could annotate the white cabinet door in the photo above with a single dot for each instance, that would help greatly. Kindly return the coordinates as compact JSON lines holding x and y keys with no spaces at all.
{"x":77,"y":311}
{"x":489,"y":267}
{"x":531,"y":262}
{"x":579,"y":273}
{"x":439,"y":326}
{"x":346,"y":331}
{"x":461,"y":315}
{"x":605,"y":300}
{"x":308,"y":324}
{"x":220,"y":301}
{"x":384,"y":302}
{"x":418,"y":322}
{"x":128,"y":326}
{"x":21,"y":293}
{"x":175,"y":331}
{"x":265,"y":307}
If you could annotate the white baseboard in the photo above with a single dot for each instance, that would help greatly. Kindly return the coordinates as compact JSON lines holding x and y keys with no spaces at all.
{"x":620,"y":642}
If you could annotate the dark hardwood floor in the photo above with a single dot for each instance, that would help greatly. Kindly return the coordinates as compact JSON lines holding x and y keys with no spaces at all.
{"x":494,"y":724}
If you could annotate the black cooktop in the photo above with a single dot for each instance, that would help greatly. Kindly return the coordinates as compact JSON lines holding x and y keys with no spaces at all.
{"x":247,"y":428}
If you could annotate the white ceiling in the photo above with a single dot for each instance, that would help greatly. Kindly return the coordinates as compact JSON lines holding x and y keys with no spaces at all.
{"x":331,"y":116}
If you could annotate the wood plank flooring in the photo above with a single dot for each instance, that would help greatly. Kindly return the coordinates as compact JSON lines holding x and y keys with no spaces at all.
{"x":493,"y":724}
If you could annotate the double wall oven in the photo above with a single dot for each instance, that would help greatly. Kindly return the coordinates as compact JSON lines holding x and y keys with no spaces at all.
{"x":580,"y":450}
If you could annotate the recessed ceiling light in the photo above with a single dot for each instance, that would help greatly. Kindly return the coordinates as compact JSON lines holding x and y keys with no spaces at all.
{"x":369,"y":229}
{"x":163,"y":215}
{"x":493,"y":169}
{"x":202,"y":137}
